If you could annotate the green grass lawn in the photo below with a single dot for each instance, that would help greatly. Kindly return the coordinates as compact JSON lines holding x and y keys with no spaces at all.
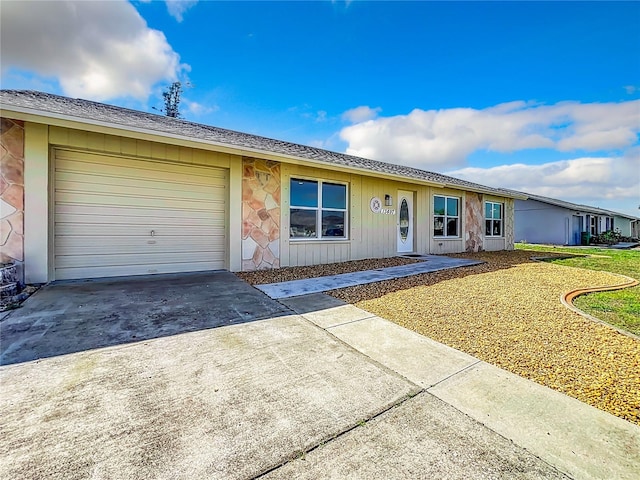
{"x":621,"y":307}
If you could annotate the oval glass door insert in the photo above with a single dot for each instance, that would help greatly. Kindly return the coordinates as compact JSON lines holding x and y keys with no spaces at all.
{"x":404,"y":220}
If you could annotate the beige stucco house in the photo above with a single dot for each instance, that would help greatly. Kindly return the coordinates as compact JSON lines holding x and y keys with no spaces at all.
{"x":92,"y":190}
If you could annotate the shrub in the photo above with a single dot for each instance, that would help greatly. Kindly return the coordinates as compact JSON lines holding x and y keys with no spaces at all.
{"x":608,"y":238}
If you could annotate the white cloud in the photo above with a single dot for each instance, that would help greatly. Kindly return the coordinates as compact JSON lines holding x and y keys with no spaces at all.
{"x":591,"y":178}
{"x":198,"y":109}
{"x":361,"y":114}
{"x":177,"y":7}
{"x":444,"y":138}
{"x":95,"y":50}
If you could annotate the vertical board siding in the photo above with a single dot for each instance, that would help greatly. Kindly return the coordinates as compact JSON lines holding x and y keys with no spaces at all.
{"x":443,"y":246}
{"x":422,"y":225}
{"x":378,"y":237}
{"x":494,"y":244}
{"x":99,"y":142}
{"x":314,"y":253}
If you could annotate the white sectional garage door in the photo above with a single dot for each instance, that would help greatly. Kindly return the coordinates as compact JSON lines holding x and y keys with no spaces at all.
{"x":121,"y":216}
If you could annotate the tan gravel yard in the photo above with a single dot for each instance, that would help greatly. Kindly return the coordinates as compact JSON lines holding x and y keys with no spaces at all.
{"x":508,"y":312}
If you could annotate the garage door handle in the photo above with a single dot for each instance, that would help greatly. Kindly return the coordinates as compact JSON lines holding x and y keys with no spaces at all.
{"x":153,"y":233}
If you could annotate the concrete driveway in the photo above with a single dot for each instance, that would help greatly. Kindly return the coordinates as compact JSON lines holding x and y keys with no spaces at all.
{"x":68,"y":317}
{"x":135,"y":383}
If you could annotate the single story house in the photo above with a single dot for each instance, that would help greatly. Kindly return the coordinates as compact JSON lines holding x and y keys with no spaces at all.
{"x":547,"y":220}
{"x":93,"y":190}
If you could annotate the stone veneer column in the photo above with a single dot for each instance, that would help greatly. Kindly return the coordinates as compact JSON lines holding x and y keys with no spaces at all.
{"x":474,"y":222}
{"x":260,"y":214}
{"x":509,"y":223}
{"x":12,"y":193}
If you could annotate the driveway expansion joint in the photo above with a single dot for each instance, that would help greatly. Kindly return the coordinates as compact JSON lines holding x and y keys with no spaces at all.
{"x":462,"y":370}
{"x":347,"y":323}
{"x":360,"y":423}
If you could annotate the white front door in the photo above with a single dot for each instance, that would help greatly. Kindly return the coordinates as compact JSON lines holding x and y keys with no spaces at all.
{"x":405,"y":221}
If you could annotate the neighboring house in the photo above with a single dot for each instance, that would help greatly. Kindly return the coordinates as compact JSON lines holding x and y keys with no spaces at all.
{"x":547,"y":220}
{"x":624,"y":224}
{"x":93,"y":190}
{"x":635,"y":228}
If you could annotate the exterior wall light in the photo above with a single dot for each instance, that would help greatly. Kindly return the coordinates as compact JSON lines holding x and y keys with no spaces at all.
{"x":388,"y":201}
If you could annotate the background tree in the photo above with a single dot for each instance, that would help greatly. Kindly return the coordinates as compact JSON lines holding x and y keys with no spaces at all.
{"x":172,"y":100}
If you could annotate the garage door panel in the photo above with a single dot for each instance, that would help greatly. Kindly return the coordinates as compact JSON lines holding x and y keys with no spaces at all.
{"x":85,"y":198}
{"x":75,"y":181}
{"x":137,"y":248}
{"x":209,"y":218}
{"x":134,"y":230}
{"x":114,"y":190}
{"x":125,"y":167}
{"x":69,"y":244}
{"x":106,"y":209}
{"x":135,"y":212}
{"x":112,"y":166}
{"x":147,"y":259}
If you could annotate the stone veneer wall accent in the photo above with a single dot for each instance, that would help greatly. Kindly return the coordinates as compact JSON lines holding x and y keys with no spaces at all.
{"x":474,"y":222}
{"x":509,"y":223}
{"x":260,"y":214}
{"x":12,"y":193}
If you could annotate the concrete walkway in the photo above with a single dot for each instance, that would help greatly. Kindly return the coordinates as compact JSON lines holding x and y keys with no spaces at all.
{"x":429,"y":263}
{"x":624,"y":245}
{"x":577,"y":439}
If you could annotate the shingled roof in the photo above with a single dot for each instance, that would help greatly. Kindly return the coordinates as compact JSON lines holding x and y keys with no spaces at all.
{"x":85,"y":111}
{"x":576,"y":206}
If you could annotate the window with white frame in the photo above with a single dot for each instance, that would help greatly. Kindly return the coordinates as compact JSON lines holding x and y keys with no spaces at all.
{"x":318,"y":209}
{"x":493,"y":216}
{"x":446,"y":216}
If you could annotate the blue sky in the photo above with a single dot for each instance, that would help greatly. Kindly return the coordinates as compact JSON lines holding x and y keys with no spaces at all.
{"x":540,"y":97}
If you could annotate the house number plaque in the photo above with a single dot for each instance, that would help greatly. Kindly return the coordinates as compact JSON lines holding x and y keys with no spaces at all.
{"x":376,"y":207}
